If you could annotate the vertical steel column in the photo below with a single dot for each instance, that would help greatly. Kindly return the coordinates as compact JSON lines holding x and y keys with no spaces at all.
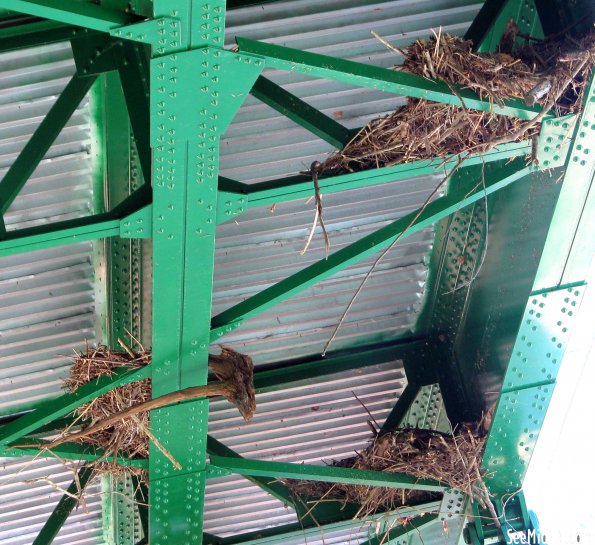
{"x":195,"y":89}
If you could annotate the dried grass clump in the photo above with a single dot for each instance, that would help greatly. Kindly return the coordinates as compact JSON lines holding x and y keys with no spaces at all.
{"x":553,"y":73}
{"x":420,"y":453}
{"x":129,"y":436}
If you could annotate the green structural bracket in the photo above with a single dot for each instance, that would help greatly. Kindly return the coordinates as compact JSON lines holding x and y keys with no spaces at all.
{"x":55,"y":408}
{"x":528,"y":384}
{"x":138,"y":224}
{"x":161,"y":31}
{"x":383,"y":79}
{"x":210,"y":74}
{"x":330,"y":474}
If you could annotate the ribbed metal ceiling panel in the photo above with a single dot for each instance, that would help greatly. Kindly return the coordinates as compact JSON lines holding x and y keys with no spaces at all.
{"x":318,"y":420}
{"x":46,"y":297}
{"x":313,"y":421}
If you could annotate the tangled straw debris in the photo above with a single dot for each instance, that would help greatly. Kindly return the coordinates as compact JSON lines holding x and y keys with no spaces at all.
{"x":118,"y":422}
{"x":421,"y":453}
{"x":552,"y":72}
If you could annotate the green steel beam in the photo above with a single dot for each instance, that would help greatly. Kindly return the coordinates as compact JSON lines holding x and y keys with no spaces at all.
{"x":483,"y":23}
{"x":196,"y":88}
{"x":457,"y":197}
{"x":43,"y":137}
{"x":64,"y":232}
{"x":133,"y":68}
{"x":567,"y":253}
{"x":393,"y":420}
{"x":304,"y":530}
{"x":301,"y":112}
{"x":83,"y":14}
{"x":411,"y":351}
{"x":300,"y":187}
{"x":36,"y":33}
{"x":329,"y":474}
{"x":71,"y":451}
{"x":392,"y":536}
{"x":65,"y":506}
{"x":549,"y":314}
{"x":355,"y":73}
{"x":276,"y":489}
{"x":55,"y":408}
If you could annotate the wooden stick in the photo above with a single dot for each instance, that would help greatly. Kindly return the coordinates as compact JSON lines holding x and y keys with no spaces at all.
{"x":216,"y":389}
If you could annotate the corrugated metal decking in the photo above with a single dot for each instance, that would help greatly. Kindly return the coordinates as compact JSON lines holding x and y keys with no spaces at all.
{"x":46,"y":297}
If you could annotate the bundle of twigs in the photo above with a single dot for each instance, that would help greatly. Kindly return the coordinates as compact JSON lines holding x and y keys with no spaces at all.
{"x":130,"y":434}
{"x":425,"y":454}
{"x":552,"y":73}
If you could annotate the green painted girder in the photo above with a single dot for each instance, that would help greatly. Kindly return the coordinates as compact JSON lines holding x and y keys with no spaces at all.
{"x":306,"y":529}
{"x":329,"y":474}
{"x":552,"y":306}
{"x":470,"y":191}
{"x":72,"y":231}
{"x":300,"y":187}
{"x":70,"y":451}
{"x":393,"y":420}
{"x":392,"y":536}
{"x":483,"y":23}
{"x":301,"y":112}
{"x":82,"y":14}
{"x":65,"y":506}
{"x":363,"y":75}
{"x":43,"y":137}
{"x":37,"y":33}
{"x":66,"y":403}
{"x":133,"y":67}
{"x":411,"y":351}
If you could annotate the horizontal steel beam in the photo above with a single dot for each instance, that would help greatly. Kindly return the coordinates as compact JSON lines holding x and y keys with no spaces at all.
{"x":305,"y":529}
{"x":457,"y":197}
{"x":383,"y":79}
{"x":300,"y":187}
{"x":55,"y":408}
{"x":329,"y":474}
{"x":277,"y":376}
{"x":71,"y":451}
{"x":36,"y":33}
{"x":83,"y":14}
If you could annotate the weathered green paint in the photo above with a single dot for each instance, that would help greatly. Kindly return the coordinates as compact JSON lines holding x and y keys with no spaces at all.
{"x":55,"y":408}
{"x":404,"y":83}
{"x":301,"y":112}
{"x":330,"y":474}
{"x":65,"y":506}
{"x":465,"y":193}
